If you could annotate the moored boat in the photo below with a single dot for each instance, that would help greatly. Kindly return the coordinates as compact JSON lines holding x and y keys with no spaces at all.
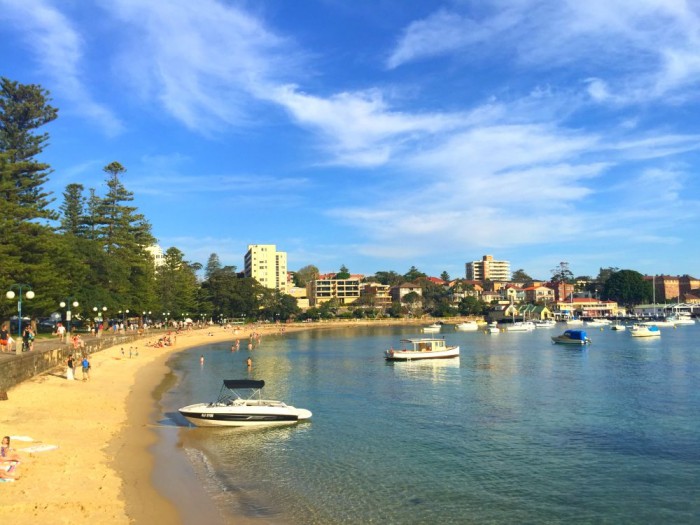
{"x":432,"y":328}
{"x":572,"y":337}
{"x":545,"y":323}
{"x":422,"y":348}
{"x":520,"y":326}
{"x":618,"y":326}
{"x":233,"y":409}
{"x":467,"y":326}
{"x":643,"y":330}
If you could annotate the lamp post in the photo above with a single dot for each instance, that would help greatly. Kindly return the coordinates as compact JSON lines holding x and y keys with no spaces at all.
{"x":67,"y":305}
{"x":11,"y":295}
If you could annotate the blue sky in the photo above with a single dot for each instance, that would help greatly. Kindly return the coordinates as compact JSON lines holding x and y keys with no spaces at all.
{"x":381,"y":134}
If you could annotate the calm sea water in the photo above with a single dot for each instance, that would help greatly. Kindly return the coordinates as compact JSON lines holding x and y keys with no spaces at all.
{"x":517,"y":430}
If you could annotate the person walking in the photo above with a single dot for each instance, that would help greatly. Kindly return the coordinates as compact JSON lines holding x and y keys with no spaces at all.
{"x":70,"y":376}
{"x":4,"y":339}
{"x":86,"y":368}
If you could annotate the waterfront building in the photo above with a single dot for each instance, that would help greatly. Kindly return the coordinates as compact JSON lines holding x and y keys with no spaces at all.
{"x":376,"y":294}
{"x":267,"y":266}
{"x":538,"y":294}
{"x":586,"y":307}
{"x":346,"y":291}
{"x":400,"y":291}
{"x":488,"y":269}
{"x":673,"y":287}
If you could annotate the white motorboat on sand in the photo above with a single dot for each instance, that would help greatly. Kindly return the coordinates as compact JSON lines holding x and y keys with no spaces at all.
{"x":423,"y":348}
{"x":233,"y":409}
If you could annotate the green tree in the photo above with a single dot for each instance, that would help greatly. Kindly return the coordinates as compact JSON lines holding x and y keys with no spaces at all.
{"x":472,"y":306}
{"x":305,"y":275}
{"x":627,"y":288}
{"x":445,"y":276}
{"x":562,"y":274}
{"x":413,"y":274}
{"x":176,"y":283}
{"x":520,"y":276}
{"x":29,"y":248}
{"x":390,"y":278}
{"x":213,"y":266}
{"x":344,"y":273}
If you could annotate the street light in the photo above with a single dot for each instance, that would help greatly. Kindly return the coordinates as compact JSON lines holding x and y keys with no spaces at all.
{"x":99,"y":311}
{"x":11,"y":295}
{"x":64,"y":304}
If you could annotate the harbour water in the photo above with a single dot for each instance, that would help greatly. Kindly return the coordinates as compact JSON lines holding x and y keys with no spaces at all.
{"x":517,"y":430}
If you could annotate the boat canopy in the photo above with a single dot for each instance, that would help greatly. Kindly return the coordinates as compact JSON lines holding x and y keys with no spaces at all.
{"x":233,"y":384}
{"x":577,"y":335}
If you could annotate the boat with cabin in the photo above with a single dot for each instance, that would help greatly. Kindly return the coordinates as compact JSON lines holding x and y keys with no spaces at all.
{"x":422,"y":348}
{"x":572,"y":337}
{"x":432,"y":328}
{"x":467,"y":326}
{"x":644,"y":330}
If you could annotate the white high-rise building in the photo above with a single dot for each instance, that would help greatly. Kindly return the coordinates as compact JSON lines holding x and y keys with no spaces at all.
{"x":157,"y":253}
{"x":267,"y":266}
{"x":488,"y":270}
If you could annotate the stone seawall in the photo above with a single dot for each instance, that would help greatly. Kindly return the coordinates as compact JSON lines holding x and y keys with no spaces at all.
{"x":48,"y":355}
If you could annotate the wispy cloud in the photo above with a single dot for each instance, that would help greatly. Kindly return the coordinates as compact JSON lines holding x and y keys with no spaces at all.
{"x":636,"y":51}
{"x":58,"y":49}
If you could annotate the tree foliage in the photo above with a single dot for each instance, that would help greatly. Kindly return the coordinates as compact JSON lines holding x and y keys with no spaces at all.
{"x":520,"y":276}
{"x":627,"y":287}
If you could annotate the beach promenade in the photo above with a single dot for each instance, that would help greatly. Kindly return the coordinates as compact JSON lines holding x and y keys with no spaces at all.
{"x":101,"y":469}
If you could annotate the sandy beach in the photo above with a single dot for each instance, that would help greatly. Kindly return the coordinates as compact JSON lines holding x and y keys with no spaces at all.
{"x":101,"y":469}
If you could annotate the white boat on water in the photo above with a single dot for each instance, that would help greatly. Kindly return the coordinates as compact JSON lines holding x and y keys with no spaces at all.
{"x":663,"y":323}
{"x":574,"y":322}
{"x":681,"y":318}
{"x":492,"y":328}
{"x":422,"y":348}
{"x":467,"y":326}
{"x":597,"y":322}
{"x":618,"y":326}
{"x":432,"y":328}
{"x":642,"y":330}
{"x":520,"y":326}
{"x":545,"y":323}
{"x":233,"y":409}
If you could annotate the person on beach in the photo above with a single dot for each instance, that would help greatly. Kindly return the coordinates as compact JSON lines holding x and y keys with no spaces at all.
{"x":249,"y":362}
{"x":27,"y":339}
{"x":6,"y":452}
{"x":70,"y":376}
{"x":61,"y":332}
{"x":86,"y":368}
{"x":4,"y":340}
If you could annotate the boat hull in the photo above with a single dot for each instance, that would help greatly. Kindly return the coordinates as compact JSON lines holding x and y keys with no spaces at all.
{"x":211,"y":415}
{"x":467,"y":327}
{"x":410,"y":355}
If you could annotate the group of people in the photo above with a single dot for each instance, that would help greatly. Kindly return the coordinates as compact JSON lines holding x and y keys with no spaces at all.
{"x":7,"y":342}
{"x":71,"y":366}
{"x":9,"y":461}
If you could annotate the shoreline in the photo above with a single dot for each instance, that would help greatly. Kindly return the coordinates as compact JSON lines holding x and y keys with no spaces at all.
{"x":106,"y":464}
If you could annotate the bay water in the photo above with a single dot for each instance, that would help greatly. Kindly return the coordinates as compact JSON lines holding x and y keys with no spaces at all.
{"x":516,"y":430}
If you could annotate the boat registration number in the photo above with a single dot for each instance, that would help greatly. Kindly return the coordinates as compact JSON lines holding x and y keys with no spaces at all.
{"x":207,"y":415}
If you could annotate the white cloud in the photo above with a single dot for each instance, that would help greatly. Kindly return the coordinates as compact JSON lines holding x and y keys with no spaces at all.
{"x":58,"y":49}
{"x":638,"y":51}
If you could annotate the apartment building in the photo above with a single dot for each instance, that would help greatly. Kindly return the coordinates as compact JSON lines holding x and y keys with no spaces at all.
{"x":488,"y":269}
{"x":157,"y":253}
{"x":346,"y":291}
{"x":267,"y":266}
